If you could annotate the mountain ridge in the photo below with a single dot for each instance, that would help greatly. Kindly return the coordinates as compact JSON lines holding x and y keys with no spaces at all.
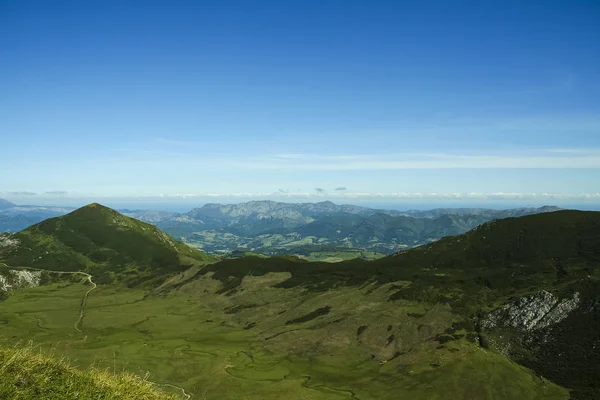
{"x":212,"y":226}
{"x":501,"y":267}
{"x":497,"y":243}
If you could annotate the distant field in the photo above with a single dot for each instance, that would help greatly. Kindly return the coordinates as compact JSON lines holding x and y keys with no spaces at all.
{"x":332,"y":256}
{"x":208,"y":345}
{"x":337,"y":256}
{"x":275,"y":244}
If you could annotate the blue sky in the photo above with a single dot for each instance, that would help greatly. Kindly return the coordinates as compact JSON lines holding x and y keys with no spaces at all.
{"x":299,"y":98}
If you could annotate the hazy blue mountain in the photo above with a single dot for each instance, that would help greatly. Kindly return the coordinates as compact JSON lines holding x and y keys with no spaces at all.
{"x":37,"y":211}
{"x":268,"y":226}
{"x":17,"y":222}
{"x":4,"y":204}
{"x":258,"y":217}
{"x":488,"y":213}
{"x":16,"y":218}
{"x":150,"y":216}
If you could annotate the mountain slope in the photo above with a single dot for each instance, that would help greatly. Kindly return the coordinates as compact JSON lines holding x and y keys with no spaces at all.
{"x":432,"y":322}
{"x":497,"y":254}
{"x":101,"y":241}
{"x":526,"y":287}
{"x":408,"y":229}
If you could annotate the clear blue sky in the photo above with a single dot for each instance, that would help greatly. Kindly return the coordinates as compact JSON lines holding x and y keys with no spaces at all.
{"x":126,"y":98}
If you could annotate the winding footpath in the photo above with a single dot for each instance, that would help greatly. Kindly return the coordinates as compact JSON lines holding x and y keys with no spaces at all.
{"x":89,"y":277}
{"x":186,"y":395}
{"x":79,"y":323}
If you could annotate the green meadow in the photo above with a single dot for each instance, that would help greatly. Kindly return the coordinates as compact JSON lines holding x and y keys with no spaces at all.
{"x":264,"y":343}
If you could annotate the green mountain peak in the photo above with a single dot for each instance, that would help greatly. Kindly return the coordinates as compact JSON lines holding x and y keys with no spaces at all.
{"x":101,"y":241}
{"x":94,"y":210}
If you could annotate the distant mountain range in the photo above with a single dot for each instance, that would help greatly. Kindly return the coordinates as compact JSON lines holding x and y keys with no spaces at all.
{"x":271,"y":228}
{"x":4,"y":204}
{"x":14,"y":218}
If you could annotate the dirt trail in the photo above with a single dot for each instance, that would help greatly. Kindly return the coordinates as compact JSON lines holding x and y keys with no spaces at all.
{"x":79,"y":322}
{"x":89,"y":277}
{"x":187,"y":396}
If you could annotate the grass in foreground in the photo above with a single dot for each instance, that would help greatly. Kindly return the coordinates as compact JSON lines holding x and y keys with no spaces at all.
{"x":29,"y":374}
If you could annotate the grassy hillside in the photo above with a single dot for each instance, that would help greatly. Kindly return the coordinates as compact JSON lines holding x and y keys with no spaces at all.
{"x":472,"y":274}
{"x":26,"y":373}
{"x":99,"y":240}
{"x":499,"y":258}
{"x":264,"y":342}
{"x":404,"y":326}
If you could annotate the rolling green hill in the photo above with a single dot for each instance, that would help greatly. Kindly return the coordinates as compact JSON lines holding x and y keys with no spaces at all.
{"x":101,"y":241}
{"x":497,"y":255}
{"x":474,"y":274}
{"x":508,"y":310}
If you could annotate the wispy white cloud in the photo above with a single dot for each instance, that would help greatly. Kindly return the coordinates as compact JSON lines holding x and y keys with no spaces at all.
{"x":57,"y":193}
{"x":545,"y":158}
{"x":572,"y":151}
{"x":148,"y":152}
{"x":23,"y":193}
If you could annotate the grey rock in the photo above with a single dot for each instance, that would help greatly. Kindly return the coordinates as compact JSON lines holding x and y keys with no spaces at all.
{"x":531,"y":312}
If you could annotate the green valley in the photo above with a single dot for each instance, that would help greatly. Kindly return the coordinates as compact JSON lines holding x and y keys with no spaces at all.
{"x":443,"y":321}
{"x":273,"y":228}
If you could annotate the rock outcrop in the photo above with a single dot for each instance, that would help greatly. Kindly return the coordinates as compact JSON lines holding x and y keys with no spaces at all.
{"x":19,"y":279}
{"x":531,"y":312}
